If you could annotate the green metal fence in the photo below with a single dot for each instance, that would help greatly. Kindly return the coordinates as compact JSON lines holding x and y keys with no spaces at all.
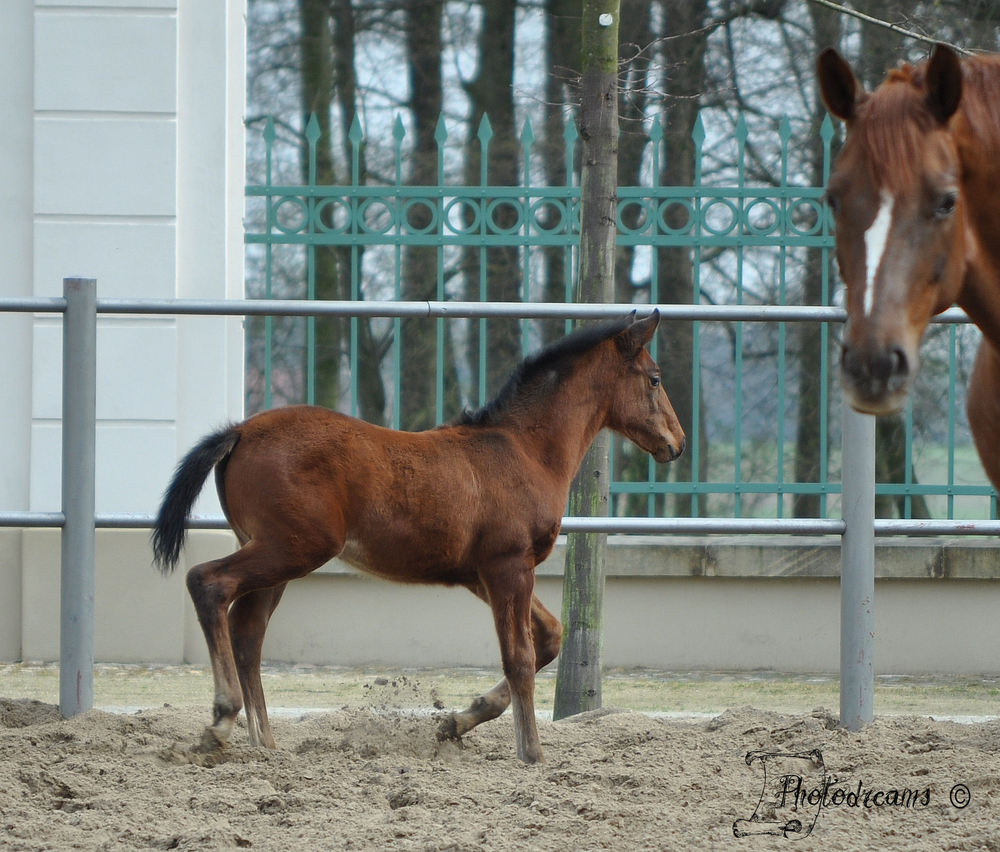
{"x":749,"y":242}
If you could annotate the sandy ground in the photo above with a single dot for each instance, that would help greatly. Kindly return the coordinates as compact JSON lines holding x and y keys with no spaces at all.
{"x":371,"y":775}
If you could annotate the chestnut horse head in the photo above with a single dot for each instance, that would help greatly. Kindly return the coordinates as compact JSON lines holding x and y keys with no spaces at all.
{"x":899,"y":207}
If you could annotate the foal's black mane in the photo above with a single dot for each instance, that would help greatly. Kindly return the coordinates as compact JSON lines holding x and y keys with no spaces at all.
{"x":554,"y":358}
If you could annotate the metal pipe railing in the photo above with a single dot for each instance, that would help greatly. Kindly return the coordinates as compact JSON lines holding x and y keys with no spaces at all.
{"x":78,"y":520}
{"x":79,"y":442}
{"x":857,"y":571}
{"x":883,"y":527}
{"x":442,"y":309}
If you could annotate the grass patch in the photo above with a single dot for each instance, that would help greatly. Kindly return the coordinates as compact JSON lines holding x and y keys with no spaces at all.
{"x":319,"y":687}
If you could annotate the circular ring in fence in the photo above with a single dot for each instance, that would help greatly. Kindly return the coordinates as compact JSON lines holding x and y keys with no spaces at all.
{"x":376,"y":216}
{"x":500,"y":220}
{"x":462,"y":215}
{"x":634,"y":216}
{"x":720,"y":216}
{"x":420,"y":216}
{"x":573,"y":215}
{"x":548,"y":216}
{"x":762,"y":216}
{"x":332,"y":216}
{"x":290,"y":214}
{"x":805,"y":217}
{"x":676,"y":216}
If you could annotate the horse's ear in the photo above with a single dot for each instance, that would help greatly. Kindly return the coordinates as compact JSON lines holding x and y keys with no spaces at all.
{"x":944,"y":83}
{"x":637,"y":335}
{"x":839,"y":88}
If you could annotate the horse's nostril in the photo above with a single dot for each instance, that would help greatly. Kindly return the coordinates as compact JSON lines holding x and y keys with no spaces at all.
{"x":880,"y":366}
{"x":889,"y":364}
{"x":850,"y":361}
{"x":899,"y":361}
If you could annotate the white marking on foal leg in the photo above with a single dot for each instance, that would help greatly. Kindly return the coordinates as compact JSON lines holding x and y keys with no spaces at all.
{"x":876,"y":238}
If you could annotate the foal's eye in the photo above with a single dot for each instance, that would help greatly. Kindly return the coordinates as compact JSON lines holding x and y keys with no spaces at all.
{"x":946,"y":205}
{"x":654,"y":381}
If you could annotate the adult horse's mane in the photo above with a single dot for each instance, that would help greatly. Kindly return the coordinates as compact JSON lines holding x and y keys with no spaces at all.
{"x":897,"y":117}
{"x":549,"y":362}
{"x":895,"y":121}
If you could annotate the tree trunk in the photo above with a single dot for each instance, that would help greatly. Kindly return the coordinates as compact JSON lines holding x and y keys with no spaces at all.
{"x":881,"y":48}
{"x":685,"y":39}
{"x":371,"y":390}
{"x":419,"y":273}
{"x":578,"y":687}
{"x":562,"y":37}
{"x":315,"y":44}
{"x":890,"y":467}
{"x":635,"y":36}
{"x":809,"y":343}
{"x":492,"y":95}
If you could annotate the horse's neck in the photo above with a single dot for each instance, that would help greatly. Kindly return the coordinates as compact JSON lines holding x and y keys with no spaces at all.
{"x":980,"y":296}
{"x":979,"y":149}
{"x":560,"y":428}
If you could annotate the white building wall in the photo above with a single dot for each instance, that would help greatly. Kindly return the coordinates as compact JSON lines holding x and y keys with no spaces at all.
{"x":121,"y":160}
{"x":210,"y":190}
{"x":16,"y":183}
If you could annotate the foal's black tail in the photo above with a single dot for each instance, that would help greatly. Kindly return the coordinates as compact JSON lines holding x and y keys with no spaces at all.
{"x":189,"y":478}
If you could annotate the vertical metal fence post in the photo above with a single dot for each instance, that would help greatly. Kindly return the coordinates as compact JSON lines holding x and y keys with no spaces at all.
{"x":857,"y":571}
{"x":76,"y":638}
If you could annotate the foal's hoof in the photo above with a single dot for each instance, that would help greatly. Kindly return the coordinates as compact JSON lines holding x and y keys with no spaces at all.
{"x":448,"y":729}
{"x":531,"y":758}
{"x":208,"y":751}
{"x":210,"y":742}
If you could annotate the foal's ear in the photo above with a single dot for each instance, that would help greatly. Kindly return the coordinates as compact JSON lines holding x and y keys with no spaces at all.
{"x":637,"y":335}
{"x":839,"y":88}
{"x":944,"y":83}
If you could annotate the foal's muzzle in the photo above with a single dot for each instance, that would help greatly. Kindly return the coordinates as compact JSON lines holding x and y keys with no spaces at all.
{"x":670,"y":452}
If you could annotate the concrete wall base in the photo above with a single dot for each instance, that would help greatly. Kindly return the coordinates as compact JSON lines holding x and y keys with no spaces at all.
{"x":713,"y":603}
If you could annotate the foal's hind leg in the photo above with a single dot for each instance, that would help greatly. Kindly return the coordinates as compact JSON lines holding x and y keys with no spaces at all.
{"x":248,"y":619}
{"x":214,"y":586}
{"x":546,"y":634}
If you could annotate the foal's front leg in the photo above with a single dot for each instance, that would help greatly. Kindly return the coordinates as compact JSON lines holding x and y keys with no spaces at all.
{"x":510,"y":591}
{"x":546,"y":634}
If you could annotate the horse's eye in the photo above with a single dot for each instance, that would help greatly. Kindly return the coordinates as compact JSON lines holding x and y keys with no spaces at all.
{"x":654,"y":381}
{"x":946,"y":205}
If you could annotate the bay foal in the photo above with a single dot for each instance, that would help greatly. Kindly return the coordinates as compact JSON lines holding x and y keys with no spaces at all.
{"x":476,"y":503}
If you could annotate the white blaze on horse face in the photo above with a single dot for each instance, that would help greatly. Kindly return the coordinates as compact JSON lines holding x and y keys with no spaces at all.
{"x":876,"y":238}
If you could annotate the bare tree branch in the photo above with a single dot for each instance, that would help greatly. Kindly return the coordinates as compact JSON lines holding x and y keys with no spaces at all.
{"x":868,"y":19}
